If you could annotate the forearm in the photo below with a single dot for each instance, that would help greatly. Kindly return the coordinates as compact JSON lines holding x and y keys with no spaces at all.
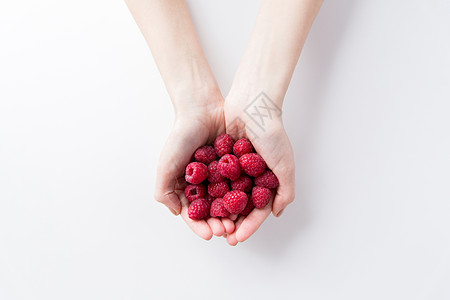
{"x":170,"y":34}
{"x":275,"y":45}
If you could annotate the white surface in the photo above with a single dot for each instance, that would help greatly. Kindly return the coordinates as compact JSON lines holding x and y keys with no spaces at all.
{"x":83,"y":115}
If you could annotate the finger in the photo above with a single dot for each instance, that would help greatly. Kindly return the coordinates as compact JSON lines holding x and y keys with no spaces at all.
{"x":174,"y":157}
{"x":286,"y":190}
{"x":233,"y":217}
{"x":216,"y":226}
{"x":172,"y":202}
{"x":285,"y":195}
{"x":200,"y":227}
{"x":181,"y":184}
{"x":228,"y":224}
{"x":252,"y":222}
{"x":279,"y":157}
{"x":231,"y":238}
{"x":165,"y":187}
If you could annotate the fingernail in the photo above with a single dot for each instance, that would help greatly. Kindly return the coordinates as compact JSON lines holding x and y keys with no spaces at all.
{"x":280,"y":213}
{"x":173,"y":211}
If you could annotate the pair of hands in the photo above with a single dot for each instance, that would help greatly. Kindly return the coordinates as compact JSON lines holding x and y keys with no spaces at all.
{"x":201,"y":113}
{"x":199,"y":123}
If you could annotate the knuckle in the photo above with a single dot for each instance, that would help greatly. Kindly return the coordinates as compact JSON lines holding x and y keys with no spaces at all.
{"x":287,"y":198}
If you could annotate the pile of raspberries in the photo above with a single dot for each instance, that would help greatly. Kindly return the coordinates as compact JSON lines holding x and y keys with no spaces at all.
{"x":229,"y":178}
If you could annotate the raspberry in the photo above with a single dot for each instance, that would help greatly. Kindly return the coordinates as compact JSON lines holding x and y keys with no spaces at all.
{"x":218,"y":210}
{"x":229,"y":167}
{"x":199,"y":209}
{"x":252,"y":164}
{"x":242,"y":146}
{"x":196,"y":172}
{"x":261,"y":196}
{"x":223,"y":144}
{"x":248,"y":208}
{"x":218,"y":190}
{"x":214,"y":174}
{"x":243,"y":184}
{"x":235,"y":201}
{"x":209,"y":198}
{"x":195,"y":191}
{"x":205,"y":154}
{"x":267,"y":180}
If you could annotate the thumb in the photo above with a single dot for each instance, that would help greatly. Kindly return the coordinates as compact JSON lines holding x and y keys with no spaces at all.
{"x":165,"y":188}
{"x":170,"y":175}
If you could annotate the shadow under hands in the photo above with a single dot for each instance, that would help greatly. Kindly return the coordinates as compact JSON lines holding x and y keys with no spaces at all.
{"x":301,"y":117}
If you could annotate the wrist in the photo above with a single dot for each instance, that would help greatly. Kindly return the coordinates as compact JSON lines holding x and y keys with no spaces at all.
{"x":261,"y":70}
{"x":196,"y":100}
{"x":243,"y":93}
{"x":255,"y":95}
{"x":256,"y":76}
{"x":260,"y":114}
{"x":189,"y":81}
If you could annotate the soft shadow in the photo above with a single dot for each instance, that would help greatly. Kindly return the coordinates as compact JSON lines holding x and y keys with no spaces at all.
{"x":301,"y":111}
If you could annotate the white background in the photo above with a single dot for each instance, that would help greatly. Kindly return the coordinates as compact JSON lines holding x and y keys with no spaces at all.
{"x":84,"y":114}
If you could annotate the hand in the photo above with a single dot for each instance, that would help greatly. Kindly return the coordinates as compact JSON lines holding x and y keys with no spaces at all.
{"x":196,"y":124}
{"x":274,"y":146}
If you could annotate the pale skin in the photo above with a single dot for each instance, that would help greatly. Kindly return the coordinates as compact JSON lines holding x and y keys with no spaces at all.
{"x":202,"y":113}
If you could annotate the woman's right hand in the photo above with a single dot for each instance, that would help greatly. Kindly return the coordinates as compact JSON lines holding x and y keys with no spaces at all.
{"x":274,"y":146}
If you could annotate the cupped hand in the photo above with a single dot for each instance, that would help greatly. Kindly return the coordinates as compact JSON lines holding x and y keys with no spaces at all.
{"x":272,"y":143}
{"x":194,"y":126}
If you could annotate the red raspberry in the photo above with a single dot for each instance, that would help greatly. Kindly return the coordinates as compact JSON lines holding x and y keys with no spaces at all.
{"x":243,"y":184}
{"x":205,"y":154}
{"x":252,"y":164}
{"x":261,"y":196}
{"x":229,"y":166}
{"x":195,"y":191}
{"x":267,"y":180}
{"x":196,"y":172}
{"x":214,"y":174}
{"x":218,"y":210}
{"x":235,"y":201}
{"x":223,"y":144}
{"x":209,"y":198}
{"x":218,"y":190}
{"x":199,"y":209}
{"x":242,"y":146}
{"x":248,"y":208}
